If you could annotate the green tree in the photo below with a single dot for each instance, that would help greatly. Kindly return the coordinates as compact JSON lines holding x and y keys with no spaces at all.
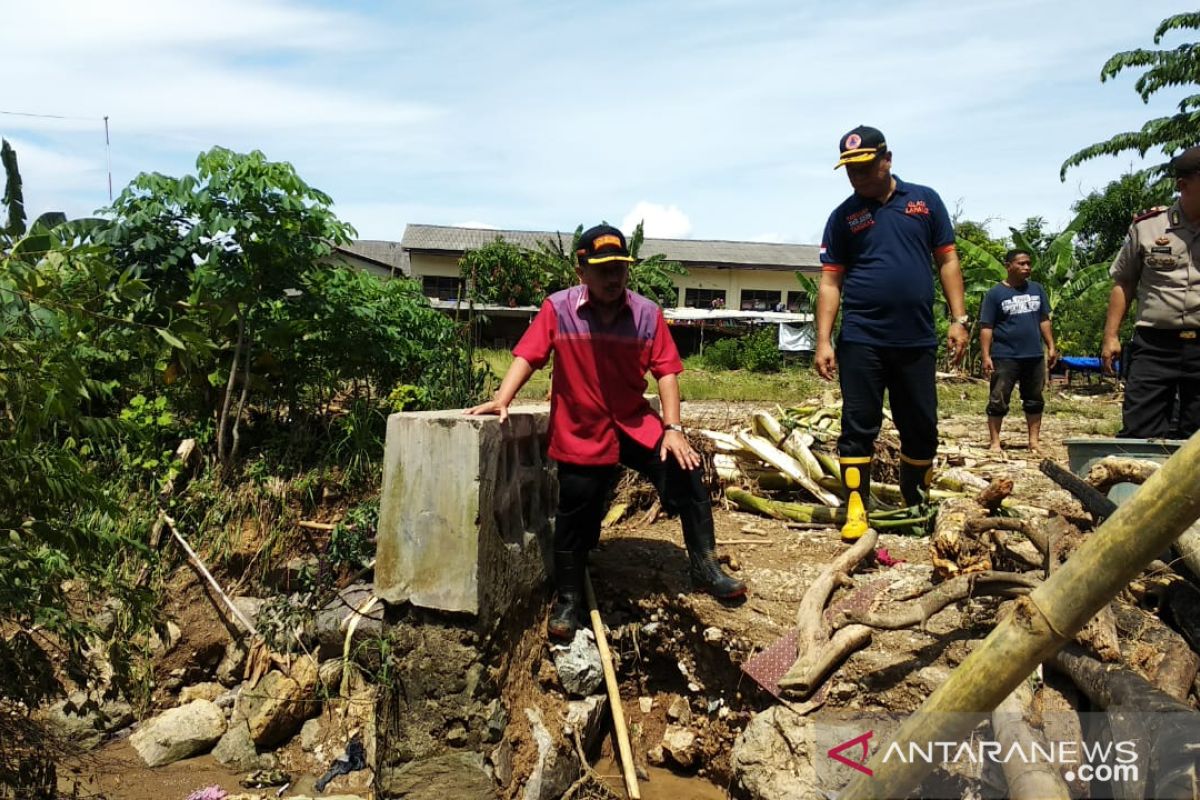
{"x":1162,"y":69}
{"x":222,"y":252}
{"x":654,"y":276}
{"x":1104,"y":216}
{"x":503,"y":273}
{"x":61,"y":545}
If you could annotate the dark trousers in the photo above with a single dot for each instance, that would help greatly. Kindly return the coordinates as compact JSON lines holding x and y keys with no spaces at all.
{"x":1164,"y":367}
{"x":907,"y":373}
{"x":1028,"y":373}
{"x":582,"y":491}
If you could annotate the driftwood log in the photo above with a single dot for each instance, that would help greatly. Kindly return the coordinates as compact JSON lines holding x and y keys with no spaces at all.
{"x":952,"y":547}
{"x":818,"y":648}
{"x":1036,"y":780}
{"x":1095,"y":503}
{"x":1154,"y":651}
{"x":1111,"y":470}
{"x":1171,"y":728}
{"x":917,"y":611}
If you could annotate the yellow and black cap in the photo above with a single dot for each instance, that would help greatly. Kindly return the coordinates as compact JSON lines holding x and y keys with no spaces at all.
{"x":602,"y":244}
{"x":863,"y":143}
{"x":1186,"y":163}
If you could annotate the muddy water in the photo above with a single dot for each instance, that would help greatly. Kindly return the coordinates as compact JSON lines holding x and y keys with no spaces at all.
{"x":663,"y":784}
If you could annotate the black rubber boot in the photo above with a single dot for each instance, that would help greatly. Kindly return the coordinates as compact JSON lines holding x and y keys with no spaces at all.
{"x":916,"y":476}
{"x":704,"y":569}
{"x":567,"y":613}
{"x":856,"y":478}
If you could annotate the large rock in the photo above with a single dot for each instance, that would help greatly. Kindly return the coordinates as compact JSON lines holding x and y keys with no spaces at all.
{"x":233,"y":664}
{"x":453,"y":776}
{"x":236,"y":750}
{"x":200,"y":691}
{"x":680,"y":744}
{"x":773,"y":757}
{"x":179,"y":733}
{"x":578,"y":664}
{"x":84,"y":725}
{"x":331,"y":635}
{"x":586,"y":717}
{"x":276,"y":707}
{"x":556,"y":766}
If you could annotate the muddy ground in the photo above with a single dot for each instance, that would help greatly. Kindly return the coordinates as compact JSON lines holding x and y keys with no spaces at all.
{"x":679,"y":653}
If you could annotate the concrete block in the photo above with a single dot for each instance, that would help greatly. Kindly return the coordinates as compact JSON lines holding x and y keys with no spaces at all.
{"x":466,"y":509}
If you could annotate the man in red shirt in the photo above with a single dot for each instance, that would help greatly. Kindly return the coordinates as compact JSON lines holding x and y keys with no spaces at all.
{"x":605,"y":339}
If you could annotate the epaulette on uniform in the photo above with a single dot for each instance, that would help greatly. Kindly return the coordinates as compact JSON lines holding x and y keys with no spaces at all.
{"x":1153,"y":212}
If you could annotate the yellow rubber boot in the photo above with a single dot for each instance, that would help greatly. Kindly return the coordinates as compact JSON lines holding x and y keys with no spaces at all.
{"x":856,"y":477}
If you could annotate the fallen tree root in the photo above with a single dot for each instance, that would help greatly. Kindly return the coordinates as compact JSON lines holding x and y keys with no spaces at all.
{"x":1114,"y":469}
{"x":818,"y":649}
{"x":916,"y":611}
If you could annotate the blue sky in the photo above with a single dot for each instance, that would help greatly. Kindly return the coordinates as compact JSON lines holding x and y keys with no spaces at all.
{"x":711,"y":119}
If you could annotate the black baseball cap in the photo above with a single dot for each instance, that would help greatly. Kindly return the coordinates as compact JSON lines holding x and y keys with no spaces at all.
{"x":863,"y":143}
{"x":602,"y":244}
{"x":1186,"y":162}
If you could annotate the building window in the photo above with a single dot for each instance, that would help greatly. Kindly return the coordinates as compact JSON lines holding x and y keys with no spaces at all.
{"x":760,"y":299}
{"x":799,"y":301}
{"x":704,"y":298}
{"x":441,"y":287}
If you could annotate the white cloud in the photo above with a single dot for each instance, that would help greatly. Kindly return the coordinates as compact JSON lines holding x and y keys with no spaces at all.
{"x":661,"y":222}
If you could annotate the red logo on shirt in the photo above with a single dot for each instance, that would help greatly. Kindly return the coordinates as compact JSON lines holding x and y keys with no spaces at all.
{"x":917,"y":207}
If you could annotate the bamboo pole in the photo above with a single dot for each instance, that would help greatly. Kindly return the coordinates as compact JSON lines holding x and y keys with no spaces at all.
{"x":614,"y":691}
{"x":1043,"y":621}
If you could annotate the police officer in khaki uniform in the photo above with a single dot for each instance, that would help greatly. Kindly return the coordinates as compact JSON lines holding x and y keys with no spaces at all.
{"x":1160,"y":262}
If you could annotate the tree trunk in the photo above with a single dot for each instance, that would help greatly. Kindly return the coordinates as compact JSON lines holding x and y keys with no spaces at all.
{"x":1171,"y":728}
{"x":223,"y":418}
{"x":1032,"y":781}
{"x":1095,"y":503}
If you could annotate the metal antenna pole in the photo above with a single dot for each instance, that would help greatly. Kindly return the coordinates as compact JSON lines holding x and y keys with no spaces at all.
{"x":108,"y":156}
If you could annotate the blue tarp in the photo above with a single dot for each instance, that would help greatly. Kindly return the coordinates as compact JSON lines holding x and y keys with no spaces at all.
{"x":1086,"y":363}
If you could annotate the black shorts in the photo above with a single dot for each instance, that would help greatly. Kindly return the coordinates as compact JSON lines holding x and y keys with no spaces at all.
{"x":1028,"y":373}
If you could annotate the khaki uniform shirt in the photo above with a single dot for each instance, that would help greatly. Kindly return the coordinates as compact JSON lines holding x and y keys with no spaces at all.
{"x":1161,"y":257}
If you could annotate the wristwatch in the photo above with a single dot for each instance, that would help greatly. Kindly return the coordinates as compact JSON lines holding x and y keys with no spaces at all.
{"x":674,"y":426}
{"x":963,"y":320}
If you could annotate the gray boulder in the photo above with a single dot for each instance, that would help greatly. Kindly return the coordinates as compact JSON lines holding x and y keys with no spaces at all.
{"x":452,"y":776}
{"x":578,"y":664}
{"x":179,"y":733}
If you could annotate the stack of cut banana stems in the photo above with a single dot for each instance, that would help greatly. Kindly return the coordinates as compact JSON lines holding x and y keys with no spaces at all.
{"x":780,"y":453}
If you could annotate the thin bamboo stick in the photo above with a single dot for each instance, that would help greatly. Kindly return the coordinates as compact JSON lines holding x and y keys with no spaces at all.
{"x":614,"y":691}
{"x":1045,"y":620}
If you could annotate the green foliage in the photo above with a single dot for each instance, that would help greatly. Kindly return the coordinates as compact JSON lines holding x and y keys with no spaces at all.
{"x":723,"y":354}
{"x":760,"y":350}
{"x":14,"y":197}
{"x":223,"y":253}
{"x":555,"y":261}
{"x":61,"y":544}
{"x":652,"y":277}
{"x":1104,"y":216}
{"x":502,"y":273}
{"x":757,"y":351}
{"x":1179,"y":67}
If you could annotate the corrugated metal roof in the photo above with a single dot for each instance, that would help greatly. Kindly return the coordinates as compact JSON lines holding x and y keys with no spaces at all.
{"x":390,"y":253}
{"x":690,"y":252}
